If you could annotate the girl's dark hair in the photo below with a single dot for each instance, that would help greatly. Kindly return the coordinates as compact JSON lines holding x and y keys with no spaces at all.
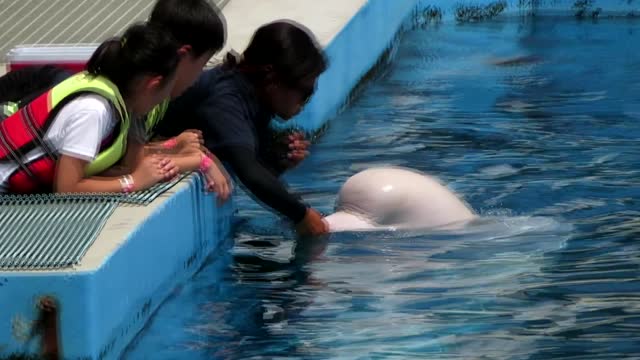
{"x":198,"y":23}
{"x":143,"y":49}
{"x":284,"y":47}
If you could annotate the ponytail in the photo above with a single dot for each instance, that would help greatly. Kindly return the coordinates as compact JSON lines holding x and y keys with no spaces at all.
{"x":105,"y":60}
{"x":144,"y":49}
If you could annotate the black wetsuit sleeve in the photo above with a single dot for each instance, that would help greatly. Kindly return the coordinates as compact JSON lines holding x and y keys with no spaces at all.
{"x":262,"y":182}
{"x":222,"y":108}
{"x":272,"y":153}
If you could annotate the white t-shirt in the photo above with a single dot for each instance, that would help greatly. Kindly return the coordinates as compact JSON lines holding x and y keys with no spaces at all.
{"x":78,"y":130}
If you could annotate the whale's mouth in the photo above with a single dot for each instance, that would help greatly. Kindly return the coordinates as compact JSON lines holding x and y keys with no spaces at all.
{"x":345,"y":221}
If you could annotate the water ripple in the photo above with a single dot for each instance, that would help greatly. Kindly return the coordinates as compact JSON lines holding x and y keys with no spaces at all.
{"x":547,"y":152}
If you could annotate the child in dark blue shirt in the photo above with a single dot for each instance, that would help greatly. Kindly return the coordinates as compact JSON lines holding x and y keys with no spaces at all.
{"x":234,"y":103}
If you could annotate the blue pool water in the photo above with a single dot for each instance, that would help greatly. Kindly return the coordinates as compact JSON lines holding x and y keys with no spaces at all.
{"x":546,"y":149}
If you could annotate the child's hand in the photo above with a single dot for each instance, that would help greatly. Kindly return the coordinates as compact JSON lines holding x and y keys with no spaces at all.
{"x":218,"y":180}
{"x":313,"y":224}
{"x":170,"y":168}
{"x":152,"y":170}
{"x":297,"y":149}
{"x":189,"y":141}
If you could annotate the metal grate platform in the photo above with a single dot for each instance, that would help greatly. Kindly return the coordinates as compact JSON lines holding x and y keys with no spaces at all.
{"x":53,"y":231}
{"x":45,"y":234}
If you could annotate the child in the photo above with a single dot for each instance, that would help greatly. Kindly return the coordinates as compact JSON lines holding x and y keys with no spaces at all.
{"x":65,"y":137}
{"x":199,"y":28}
{"x":234,"y":104}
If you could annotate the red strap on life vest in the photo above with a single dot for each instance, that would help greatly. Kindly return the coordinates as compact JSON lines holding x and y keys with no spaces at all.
{"x":23,"y":132}
{"x":41,"y":179}
{"x":17,"y":131}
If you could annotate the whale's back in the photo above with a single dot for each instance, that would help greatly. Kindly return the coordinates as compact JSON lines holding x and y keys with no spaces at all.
{"x":399,"y":197}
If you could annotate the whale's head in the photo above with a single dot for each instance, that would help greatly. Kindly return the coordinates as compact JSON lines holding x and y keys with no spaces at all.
{"x":392,"y":197}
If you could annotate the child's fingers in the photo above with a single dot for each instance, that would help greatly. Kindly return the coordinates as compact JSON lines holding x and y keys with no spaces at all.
{"x":297,"y":155}
{"x":299,"y":145}
{"x":170,"y":168}
{"x":195,"y":131}
{"x":305,"y":144}
{"x":163,"y":162}
{"x":222,"y":196}
{"x":296,"y":136}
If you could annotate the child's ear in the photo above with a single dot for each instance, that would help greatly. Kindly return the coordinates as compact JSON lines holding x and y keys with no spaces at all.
{"x":184,"y":50}
{"x":154,"y":82}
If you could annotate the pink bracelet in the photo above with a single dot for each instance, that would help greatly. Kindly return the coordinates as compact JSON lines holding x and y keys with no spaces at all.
{"x":170,"y":144}
{"x":205,"y":163}
{"x":126,"y":182}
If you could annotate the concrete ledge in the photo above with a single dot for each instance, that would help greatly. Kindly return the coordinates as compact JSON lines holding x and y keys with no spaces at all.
{"x":142,"y":254}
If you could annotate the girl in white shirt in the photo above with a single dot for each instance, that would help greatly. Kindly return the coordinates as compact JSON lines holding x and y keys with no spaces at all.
{"x":63,"y":149}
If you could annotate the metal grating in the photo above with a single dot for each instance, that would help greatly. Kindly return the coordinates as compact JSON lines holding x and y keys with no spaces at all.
{"x":147,"y":196}
{"x":47,"y":22}
{"x":137,"y":198}
{"x":43,"y":234}
{"x":53,"y":231}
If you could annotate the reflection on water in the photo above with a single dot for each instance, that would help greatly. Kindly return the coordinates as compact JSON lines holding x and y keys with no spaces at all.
{"x":545,"y":150}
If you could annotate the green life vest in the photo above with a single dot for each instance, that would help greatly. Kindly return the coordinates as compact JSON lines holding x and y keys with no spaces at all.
{"x":82,"y":83}
{"x":155,"y":116}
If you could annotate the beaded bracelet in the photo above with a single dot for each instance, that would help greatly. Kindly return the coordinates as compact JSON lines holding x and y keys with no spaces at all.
{"x":126,"y":182}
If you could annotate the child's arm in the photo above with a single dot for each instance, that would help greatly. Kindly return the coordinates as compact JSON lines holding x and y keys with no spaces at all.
{"x":217,"y":178}
{"x":87,"y":120}
{"x":188,"y":142}
{"x":69,"y":177}
{"x":133,"y":157}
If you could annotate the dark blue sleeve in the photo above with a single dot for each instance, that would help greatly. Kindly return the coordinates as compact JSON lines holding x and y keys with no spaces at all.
{"x":216,"y":107}
{"x":180,"y":113}
{"x":228,"y":133}
{"x":265,"y":187}
{"x":225,"y":122}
